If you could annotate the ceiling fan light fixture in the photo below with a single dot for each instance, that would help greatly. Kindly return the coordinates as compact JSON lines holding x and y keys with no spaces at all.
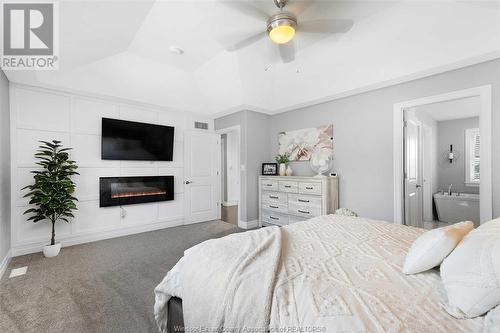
{"x":281,"y":27}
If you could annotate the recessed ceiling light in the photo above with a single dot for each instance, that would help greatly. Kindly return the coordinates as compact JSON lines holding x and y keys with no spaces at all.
{"x":175,"y":50}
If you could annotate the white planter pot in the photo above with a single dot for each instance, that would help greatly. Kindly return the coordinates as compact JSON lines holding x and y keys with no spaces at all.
{"x":282,"y":169}
{"x":50,"y":251}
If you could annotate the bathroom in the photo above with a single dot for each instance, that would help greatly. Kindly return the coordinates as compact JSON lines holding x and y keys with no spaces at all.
{"x":445,"y":140}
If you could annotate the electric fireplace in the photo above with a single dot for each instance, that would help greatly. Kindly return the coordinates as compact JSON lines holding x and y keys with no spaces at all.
{"x":118,"y":191}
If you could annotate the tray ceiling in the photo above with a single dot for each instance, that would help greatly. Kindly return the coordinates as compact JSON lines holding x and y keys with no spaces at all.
{"x":121,"y":49}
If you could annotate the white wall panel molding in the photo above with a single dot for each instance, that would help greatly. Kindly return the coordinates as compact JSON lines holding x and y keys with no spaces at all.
{"x":87,"y":114}
{"x":33,"y":247}
{"x":44,"y":114}
{"x":138,"y":114}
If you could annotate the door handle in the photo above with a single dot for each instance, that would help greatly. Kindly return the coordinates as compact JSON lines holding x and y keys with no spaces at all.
{"x":418,"y":186}
{"x":187,"y":182}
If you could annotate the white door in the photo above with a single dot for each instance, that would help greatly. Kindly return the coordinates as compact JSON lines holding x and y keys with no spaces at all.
{"x":427,"y":161}
{"x":201,"y":153}
{"x":413,"y":201}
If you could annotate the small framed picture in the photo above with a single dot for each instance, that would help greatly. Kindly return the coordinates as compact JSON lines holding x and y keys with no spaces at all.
{"x":269,"y":169}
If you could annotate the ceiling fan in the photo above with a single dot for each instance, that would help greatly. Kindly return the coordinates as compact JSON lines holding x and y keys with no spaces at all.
{"x":282,"y":26}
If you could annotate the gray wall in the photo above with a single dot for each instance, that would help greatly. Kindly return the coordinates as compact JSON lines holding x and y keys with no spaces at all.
{"x":452,"y":132}
{"x":258,"y":137}
{"x":4,"y":167}
{"x":254,"y":150}
{"x":363,"y":134}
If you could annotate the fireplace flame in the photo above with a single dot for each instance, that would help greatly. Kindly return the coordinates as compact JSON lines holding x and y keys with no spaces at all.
{"x":136,"y":194}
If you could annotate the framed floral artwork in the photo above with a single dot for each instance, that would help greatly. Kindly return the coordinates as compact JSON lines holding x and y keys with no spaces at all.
{"x":307,"y":143}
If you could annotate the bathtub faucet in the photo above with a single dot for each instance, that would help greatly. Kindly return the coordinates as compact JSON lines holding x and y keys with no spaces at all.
{"x":449,"y":189}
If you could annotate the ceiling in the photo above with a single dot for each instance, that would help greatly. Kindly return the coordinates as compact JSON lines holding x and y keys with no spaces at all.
{"x":453,"y":109}
{"x":121,"y":49}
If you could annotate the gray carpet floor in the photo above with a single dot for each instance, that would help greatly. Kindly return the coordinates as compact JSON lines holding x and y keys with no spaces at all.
{"x":105,"y":286}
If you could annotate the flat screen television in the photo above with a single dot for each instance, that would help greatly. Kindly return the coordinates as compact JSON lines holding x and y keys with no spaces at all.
{"x":129,"y":140}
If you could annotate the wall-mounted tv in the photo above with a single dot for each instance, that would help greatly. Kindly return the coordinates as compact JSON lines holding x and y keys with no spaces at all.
{"x":128,"y":140}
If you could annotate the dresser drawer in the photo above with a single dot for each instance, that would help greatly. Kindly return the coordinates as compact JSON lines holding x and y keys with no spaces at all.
{"x":290,"y":187}
{"x":274,"y":197}
{"x":304,"y":200}
{"x":310,"y":188}
{"x":294,"y":219}
{"x":269,"y":185}
{"x":302,"y":211}
{"x":275,"y":207}
{"x":274,"y":218}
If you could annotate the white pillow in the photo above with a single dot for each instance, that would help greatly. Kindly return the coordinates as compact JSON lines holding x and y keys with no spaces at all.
{"x":471,"y":273}
{"x":429,"y":250}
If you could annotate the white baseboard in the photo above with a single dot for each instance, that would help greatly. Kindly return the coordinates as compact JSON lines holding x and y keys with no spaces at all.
{"x":249,"y":224}
{"x":229,"y":203}
{"x":96,"y":236}
{"x":5,"y":263}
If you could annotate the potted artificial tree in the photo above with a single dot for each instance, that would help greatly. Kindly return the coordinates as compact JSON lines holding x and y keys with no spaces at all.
{"x":282,"y":160}
{"x":52,"y":191}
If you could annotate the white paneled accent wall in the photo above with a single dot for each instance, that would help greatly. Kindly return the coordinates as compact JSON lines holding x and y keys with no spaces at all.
{"x":40,"y":114}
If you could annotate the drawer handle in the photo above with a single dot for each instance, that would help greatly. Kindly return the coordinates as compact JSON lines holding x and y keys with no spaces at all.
{"x":269,"y":184}
{"x":288,"y":186}
{"x":309,"y":188}
{"x":303,"y":212}
{"x":302,"y":200}
{"x":273,"y":197}
{"x":274,"y":218}
{"x":273,"y":206}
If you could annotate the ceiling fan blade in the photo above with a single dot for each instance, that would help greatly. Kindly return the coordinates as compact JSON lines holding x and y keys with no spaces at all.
{"x":233,"y":44}
{"x":246,"y":8}
{"x":299,"y":6}
{"x":325,"y":26}
{"x":287,"y":52}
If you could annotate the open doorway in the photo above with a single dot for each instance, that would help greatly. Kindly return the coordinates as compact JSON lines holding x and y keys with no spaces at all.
{"x":442,"y":163}
{"x":442,"y":159}
{"x":230,"y":175}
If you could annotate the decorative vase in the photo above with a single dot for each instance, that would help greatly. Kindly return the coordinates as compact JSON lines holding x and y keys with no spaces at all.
{"x":282,"y":169}
{"x":289,"y":171}
{"x":50,"y":251}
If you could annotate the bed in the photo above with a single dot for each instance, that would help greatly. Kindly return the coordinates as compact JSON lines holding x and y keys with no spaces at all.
{"x":328,"y":274}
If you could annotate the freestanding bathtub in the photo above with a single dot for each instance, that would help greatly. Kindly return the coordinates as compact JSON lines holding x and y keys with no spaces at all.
{"x":457,"y":207}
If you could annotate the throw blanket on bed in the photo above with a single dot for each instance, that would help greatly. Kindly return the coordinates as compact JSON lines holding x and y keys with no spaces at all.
{"x":214,"y":279}
{"x":333,"y":274}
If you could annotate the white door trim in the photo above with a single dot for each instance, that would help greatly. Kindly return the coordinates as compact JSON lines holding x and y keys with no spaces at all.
{"x":226,"y":130}
{"x":427,"y":159}
{"x":485,"y":121}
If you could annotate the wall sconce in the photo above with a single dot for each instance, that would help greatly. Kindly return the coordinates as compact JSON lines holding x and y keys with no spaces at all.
{"x":449,"y":158}
{"x":451,"y":155}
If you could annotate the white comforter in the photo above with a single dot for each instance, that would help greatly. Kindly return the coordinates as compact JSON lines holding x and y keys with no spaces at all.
{"x":328,"y":274}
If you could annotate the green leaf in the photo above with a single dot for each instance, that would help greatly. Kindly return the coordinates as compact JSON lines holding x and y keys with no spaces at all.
{"x":51,"y":192}
{"x":31,"y":210}
{"x":51,"y":145}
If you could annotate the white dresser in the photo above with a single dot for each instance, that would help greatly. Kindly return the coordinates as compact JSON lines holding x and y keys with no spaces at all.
{"x":286,"y":200}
